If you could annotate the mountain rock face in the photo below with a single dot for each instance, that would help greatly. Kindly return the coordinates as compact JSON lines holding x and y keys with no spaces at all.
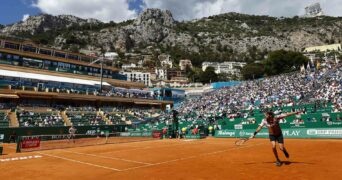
{"x":231,"y":35}
{"x":151,"y":27}
{"x":42,"y":23}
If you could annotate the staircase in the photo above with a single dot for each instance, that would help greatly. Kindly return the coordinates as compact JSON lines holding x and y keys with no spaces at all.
{"x":65,"y":118}
{"x":13,"y":119}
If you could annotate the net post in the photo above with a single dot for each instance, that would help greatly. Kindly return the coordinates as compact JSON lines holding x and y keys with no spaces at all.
{"x":18,"y":144}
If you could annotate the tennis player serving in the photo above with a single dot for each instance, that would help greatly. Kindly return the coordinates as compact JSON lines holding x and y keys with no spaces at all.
{"x":275,"y":133}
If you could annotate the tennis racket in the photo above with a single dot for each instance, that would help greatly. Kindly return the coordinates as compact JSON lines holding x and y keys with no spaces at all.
{"x":241,"y":141}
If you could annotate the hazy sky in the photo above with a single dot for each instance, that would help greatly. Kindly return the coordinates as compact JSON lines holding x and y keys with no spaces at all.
{"x":119,"y":10}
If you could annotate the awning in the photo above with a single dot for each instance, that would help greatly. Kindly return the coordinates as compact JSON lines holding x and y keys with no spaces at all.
{"x":146,"y":102}
{"x":11,"y":96}
{"x":50,"y":78}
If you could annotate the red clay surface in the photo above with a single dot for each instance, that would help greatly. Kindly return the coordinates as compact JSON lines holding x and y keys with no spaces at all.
{"x":209,"y":158}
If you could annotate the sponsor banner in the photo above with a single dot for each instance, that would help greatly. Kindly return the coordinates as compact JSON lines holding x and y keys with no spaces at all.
{"x":30,"y":142}
{"x":125,"y":134}
{"x":330,"y":123}
{"x":325,"y":133}
{"x":157,"y":134}
{"x":193,"y":136}
{"x":238,"y":126}
{"x":146,"y":134}
{"x":137,"y":134}
{"x":20,"y":158}
{"x":289,"y":133}
{"x":225,"y":133}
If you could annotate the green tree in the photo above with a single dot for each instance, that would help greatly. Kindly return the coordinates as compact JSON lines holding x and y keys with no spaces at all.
{"x":209,"y":75}
{"x":74,"y":49}
{"x":282,"y":61}
{"x":253,"y":71}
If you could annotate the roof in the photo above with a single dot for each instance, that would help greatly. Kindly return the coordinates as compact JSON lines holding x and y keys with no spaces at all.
{"x":45,"y":77}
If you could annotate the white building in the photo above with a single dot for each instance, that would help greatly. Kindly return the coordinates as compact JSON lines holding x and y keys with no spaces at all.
{"x":161,"y":73}
{"x":324,"y":48}
{"x":111,"y":55}
{"x":128,"y":66}
{"x":183,"y":63}
{"x":225,"y":67}
{"x":143,"y":77}
{"x":313,"y":10}
{"x":165,"y":60}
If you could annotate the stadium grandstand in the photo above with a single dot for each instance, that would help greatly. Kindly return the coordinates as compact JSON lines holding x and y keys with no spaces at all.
{"x":44,"y":87}
{"x":50,"y":102}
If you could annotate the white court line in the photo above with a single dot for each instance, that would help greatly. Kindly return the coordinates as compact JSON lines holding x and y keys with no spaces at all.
{"x":192,"y":157}
{"x":106,"y":157}
{"x":124,"y":150}
{"x":80,"y":162}
{"x":150,"y":147}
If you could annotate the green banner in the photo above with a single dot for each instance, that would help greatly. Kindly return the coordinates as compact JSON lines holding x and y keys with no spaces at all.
{"x":194,"y":136}
{"x":137,"y":134}
{"x":89,"y":130}
{"x":225,"y":133}
{"x":289,"y":133}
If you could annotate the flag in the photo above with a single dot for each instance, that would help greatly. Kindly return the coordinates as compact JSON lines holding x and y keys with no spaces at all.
{"x":302,"y":68}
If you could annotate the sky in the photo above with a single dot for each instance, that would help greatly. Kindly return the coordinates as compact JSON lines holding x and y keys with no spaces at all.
{"x":12,"y":11}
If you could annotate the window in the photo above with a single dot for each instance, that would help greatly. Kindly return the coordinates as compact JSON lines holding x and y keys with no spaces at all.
{"x":27,"y":48}
{"x":11,"y":45}
{"x":47,"y":63}
{"x":87,"y":59}
{"x":15,"y":57}
{"x":45,"y":51}
{"x":71,"y":56}
{"x":59,"y":54}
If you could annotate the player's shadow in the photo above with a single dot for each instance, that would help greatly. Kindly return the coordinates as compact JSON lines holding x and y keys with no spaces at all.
{"x":283,"y":163}
{"x":295,"y":162}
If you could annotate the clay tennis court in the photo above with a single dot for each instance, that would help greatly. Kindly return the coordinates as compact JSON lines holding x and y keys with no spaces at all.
{"x":210,"y":158}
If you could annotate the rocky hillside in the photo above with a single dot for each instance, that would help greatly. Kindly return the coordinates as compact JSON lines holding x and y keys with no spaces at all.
{"x":43,"y":23}
{"x":230,"y":36}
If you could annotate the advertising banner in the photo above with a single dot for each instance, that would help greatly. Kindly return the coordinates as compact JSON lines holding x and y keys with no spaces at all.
{"x":137,"y":134}
{"x":157,"y":134}
{"x":289,"y":133}
{"x":30,"y":142}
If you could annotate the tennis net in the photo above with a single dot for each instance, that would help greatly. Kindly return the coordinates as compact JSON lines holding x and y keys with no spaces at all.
{"x":60,"y":141}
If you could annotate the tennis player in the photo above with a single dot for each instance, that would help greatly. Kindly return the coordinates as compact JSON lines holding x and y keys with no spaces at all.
{"x":275,"y":133}
{"x":72,"y":133}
